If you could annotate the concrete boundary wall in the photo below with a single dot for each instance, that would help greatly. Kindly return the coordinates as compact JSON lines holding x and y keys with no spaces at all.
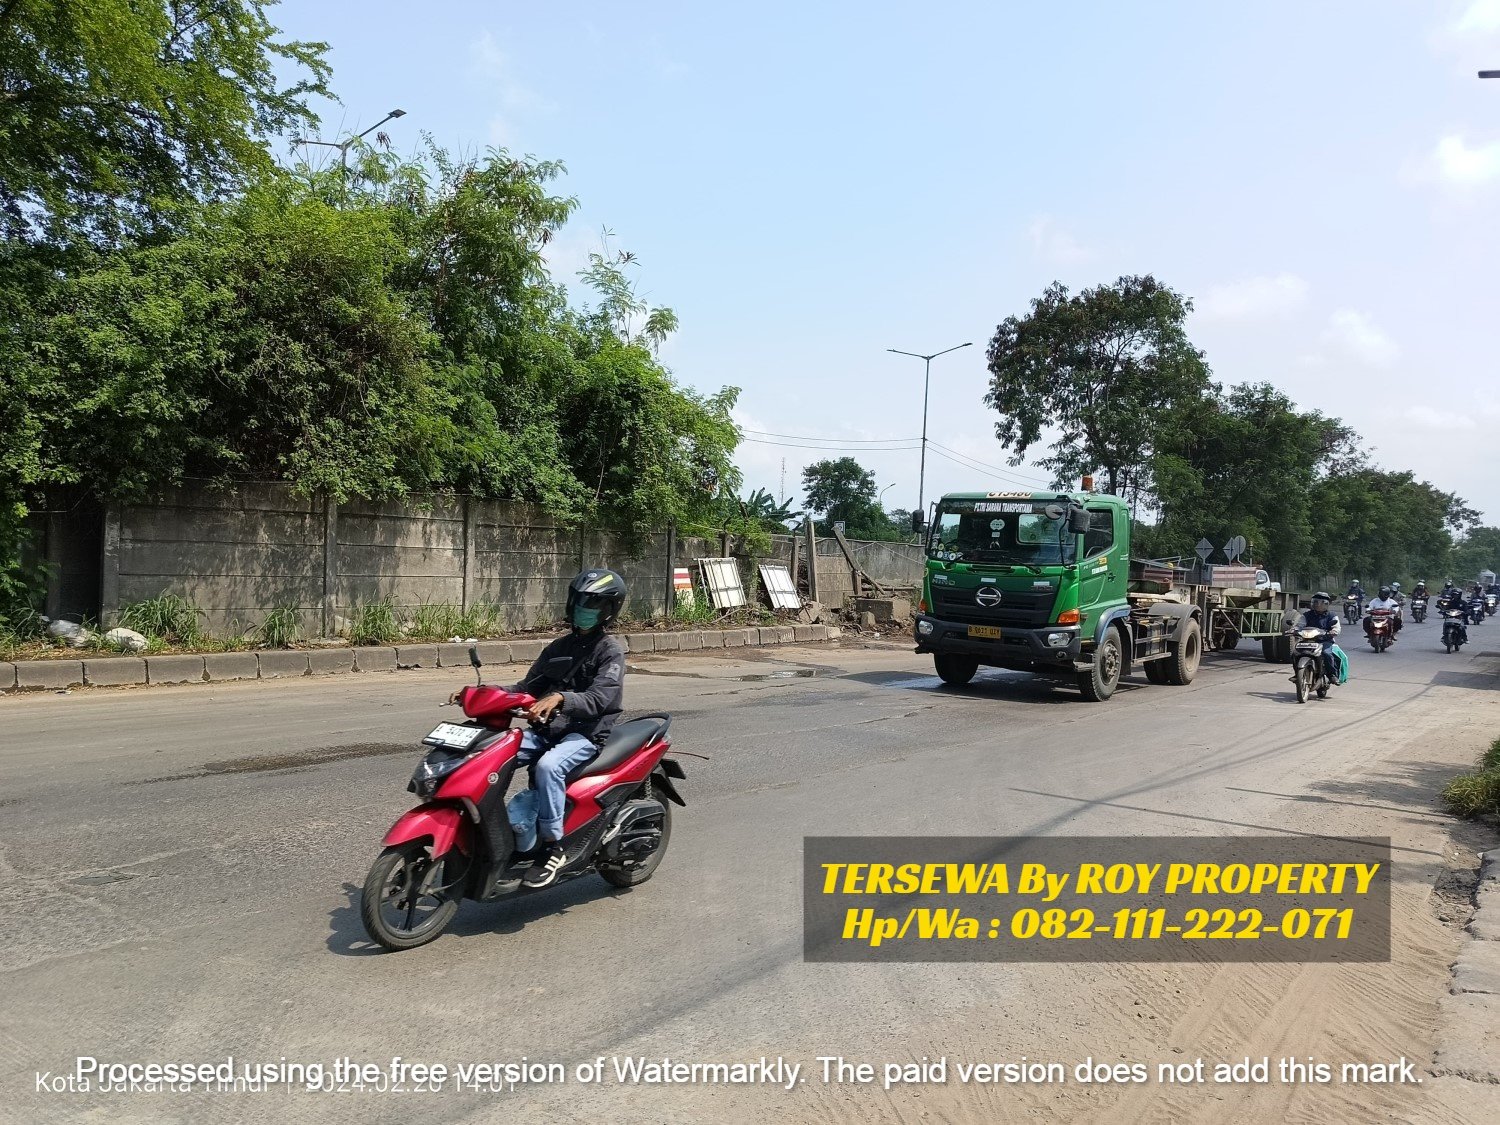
{"x":277,"y":664}
{"x":240,"y":554}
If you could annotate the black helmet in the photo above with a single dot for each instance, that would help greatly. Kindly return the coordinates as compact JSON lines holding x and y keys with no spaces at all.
{"x":1385,"y":592}
{"x":595,"y":590}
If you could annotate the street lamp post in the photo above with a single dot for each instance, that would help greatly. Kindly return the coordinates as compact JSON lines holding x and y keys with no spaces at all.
{"x":344,"y":145}
{"x":926,"y":378}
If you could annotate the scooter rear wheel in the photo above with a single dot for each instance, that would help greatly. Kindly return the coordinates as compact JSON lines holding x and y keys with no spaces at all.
{"x":619,"y":875}
{"x":405,"y":901}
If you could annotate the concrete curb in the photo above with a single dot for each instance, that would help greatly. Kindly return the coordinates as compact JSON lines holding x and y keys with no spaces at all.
{"x":1468,"y":1040}
{"x":275,"y":664}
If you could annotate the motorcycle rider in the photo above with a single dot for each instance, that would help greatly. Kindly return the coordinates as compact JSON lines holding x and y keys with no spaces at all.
{"x":577,"y":707}
{"x":1446,"y":600}
{"x":1420,"y":589}
{"x":1384,"y":601}
{"x":1320,"y":615}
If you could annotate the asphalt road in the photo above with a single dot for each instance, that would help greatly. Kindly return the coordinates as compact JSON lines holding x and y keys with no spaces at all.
{"x":180,"y":871}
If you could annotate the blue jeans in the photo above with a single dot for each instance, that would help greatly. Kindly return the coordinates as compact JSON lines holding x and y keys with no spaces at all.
{"x":551,"y":772}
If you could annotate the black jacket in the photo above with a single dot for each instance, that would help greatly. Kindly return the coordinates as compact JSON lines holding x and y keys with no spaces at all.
{"x":593,"y":693}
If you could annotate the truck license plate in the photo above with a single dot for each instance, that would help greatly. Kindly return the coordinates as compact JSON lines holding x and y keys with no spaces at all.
{"x":992,"y":632}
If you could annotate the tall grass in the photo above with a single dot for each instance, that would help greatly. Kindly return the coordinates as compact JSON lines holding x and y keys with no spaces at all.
{"x":374,"y":624}
{"x":167,"y":618}
{"x":437,"y":621}
{"x":282,"y":627}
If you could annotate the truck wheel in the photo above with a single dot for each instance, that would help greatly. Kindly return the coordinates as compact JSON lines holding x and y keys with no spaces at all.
{"x":1187,"y":650}
{"x":1099,"y":682}
{"x":1226,"y":637}
{"x":955,"y":670}
{"x":1156,"y":671}
{"x":1268,"y":649}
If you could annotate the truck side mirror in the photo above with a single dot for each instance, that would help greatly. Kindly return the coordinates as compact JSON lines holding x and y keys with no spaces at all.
{"x":1078,"y":521}
{"x":917,"y":523}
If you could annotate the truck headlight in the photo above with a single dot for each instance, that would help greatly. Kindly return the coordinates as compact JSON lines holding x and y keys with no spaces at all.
{"x":924,"y":628}
{"x":1057,"y":640}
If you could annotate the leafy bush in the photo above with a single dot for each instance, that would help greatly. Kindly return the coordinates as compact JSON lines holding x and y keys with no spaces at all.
{"x":1477,"y":793}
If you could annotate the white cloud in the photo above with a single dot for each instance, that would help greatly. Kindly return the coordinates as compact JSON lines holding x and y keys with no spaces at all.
{"x":509,"y":98}
{"x":1358,"y":337}
{"x":1481,"y":17}
{"x":1457,"y":162}
{"x":1054,"y":245}
{"x":1253,"y":298}
{"x":1471,"y":26}
{"x":1431,"y":418}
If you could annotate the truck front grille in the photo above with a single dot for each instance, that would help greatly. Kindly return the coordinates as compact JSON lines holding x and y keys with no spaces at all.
{"x":1018,"y":609}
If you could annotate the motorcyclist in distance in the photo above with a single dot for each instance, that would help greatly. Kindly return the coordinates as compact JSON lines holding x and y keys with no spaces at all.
{"x":1386,"y":600}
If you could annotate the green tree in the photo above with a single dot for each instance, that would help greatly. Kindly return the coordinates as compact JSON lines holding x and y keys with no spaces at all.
{"x":1102,"y":368}
{"x":1478,"y":550}
{"x":1383,"y":526}
{"x":1245,"y":463}
{"x":403,"y":335}
{"x":112,"y":110}
{"x":843,"y":490}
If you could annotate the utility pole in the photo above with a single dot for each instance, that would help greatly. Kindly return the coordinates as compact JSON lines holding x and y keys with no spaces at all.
{"x":782,"y":498}
{"x":926,"y":379}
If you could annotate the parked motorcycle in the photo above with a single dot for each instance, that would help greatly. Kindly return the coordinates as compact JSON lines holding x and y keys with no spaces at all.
{"x":1308,"y":672}
{"x":1381,"y":631}
{"x":1353,"y":608}
{"x":1419,"y":609}
{"x":459,"y":843}
{"x":1455,"y":632}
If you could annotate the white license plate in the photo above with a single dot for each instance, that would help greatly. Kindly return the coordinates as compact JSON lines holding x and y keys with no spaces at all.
{"x":453,"y":734}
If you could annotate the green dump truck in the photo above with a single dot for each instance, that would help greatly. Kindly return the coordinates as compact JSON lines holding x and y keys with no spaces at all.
{"x":1043,"y":582}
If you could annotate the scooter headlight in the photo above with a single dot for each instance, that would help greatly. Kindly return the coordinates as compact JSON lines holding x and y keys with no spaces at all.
{"x":431,"y":771}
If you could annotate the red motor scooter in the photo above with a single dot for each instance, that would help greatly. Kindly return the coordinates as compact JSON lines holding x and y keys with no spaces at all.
{"x":459,"y":842}
{"x":1381,"y":631}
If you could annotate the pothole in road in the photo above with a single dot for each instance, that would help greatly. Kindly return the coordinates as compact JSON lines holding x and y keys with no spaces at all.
{"x":298,"y":760}
{"x":1453,"y":895}
{"x":101,"y":879}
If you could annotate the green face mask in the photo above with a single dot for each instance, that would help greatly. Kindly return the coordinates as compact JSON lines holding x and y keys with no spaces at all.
{"x":585,"y":619}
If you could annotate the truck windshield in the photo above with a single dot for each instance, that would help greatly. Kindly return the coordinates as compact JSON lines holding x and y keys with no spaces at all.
{"x":1014,"y":533}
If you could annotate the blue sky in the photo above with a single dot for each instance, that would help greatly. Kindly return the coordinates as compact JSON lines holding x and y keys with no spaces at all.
{"x":810,"y":184}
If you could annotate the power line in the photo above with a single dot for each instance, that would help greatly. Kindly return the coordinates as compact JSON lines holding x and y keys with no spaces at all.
{"x":992,"y":468}
{"x":809,"y":437}
{"x":985,"y":471}
{"x":834,"y":447}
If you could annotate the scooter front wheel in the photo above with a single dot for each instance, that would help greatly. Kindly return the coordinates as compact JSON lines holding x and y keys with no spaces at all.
{"x":408,"y":899}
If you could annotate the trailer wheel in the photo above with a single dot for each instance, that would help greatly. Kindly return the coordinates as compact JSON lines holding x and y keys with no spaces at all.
{"x":1226,"y":637}
{"x":955,"y":669}
{"x":1156,"y":671}
{"x":1276,"y":650}
{"x":1100,"y":681}
{"x":1187,"y":651}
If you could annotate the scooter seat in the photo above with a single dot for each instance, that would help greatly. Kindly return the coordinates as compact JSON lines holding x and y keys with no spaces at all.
{"x":624,"y":741}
